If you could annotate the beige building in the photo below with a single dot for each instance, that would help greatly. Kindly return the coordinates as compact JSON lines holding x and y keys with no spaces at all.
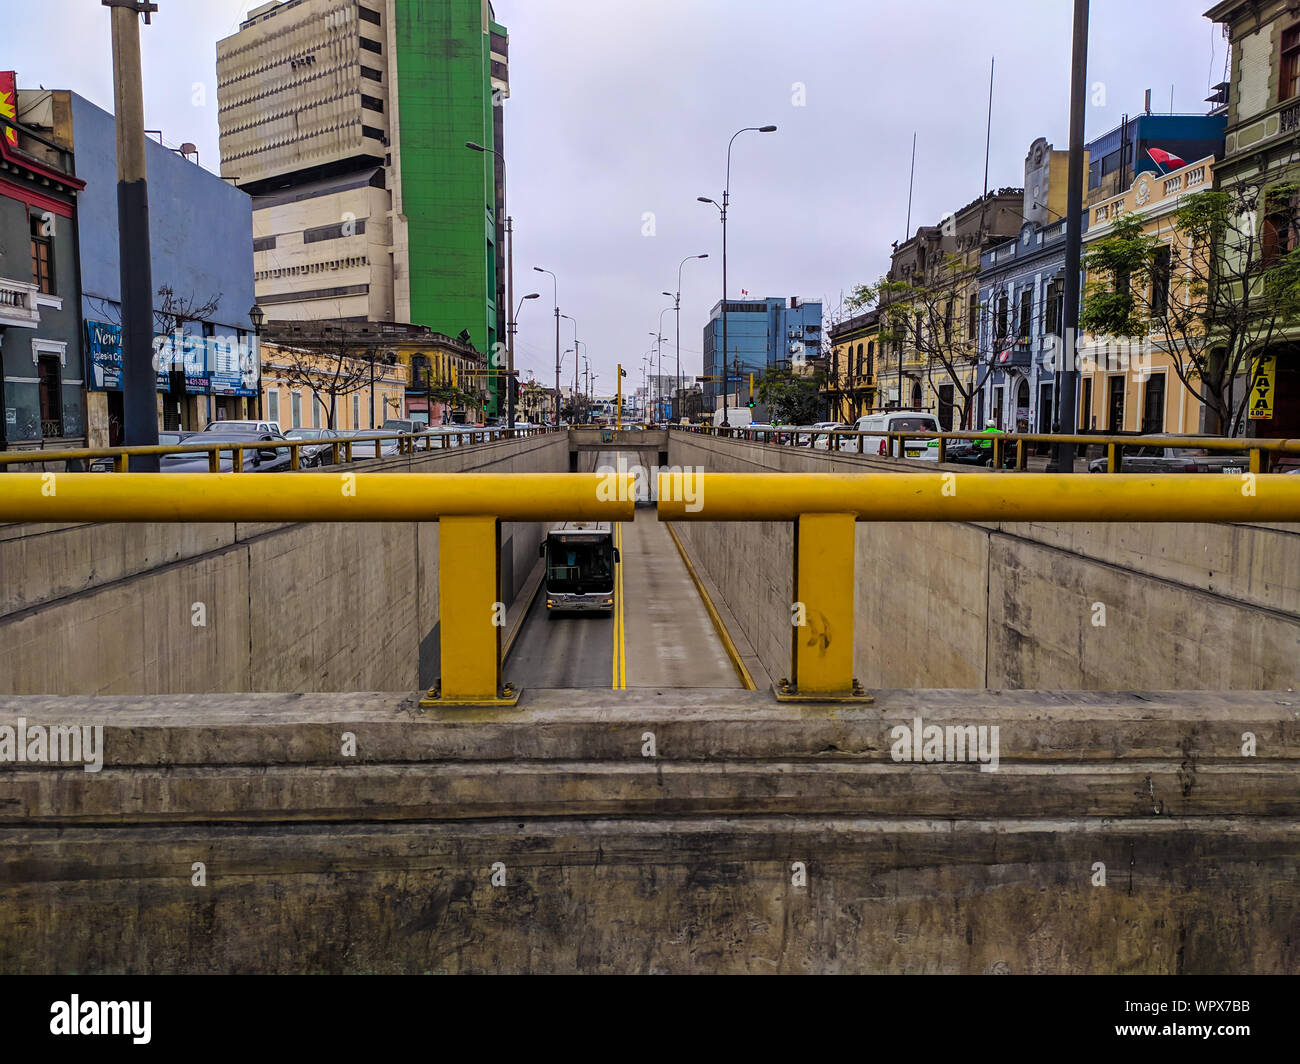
{"x":299,"y":385}
{"x":1132,"y":386}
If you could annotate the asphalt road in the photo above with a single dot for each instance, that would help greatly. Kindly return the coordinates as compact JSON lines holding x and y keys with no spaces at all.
{"x":663,"y":636}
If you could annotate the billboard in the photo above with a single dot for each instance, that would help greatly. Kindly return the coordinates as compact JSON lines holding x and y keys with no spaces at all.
{"x":212,"y":365}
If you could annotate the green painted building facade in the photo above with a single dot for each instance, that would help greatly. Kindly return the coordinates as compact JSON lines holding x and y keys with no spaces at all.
{"x":452,"y":197}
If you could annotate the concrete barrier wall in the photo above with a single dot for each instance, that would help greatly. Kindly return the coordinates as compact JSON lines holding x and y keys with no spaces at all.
{"x":1120,"y":833}
{"x":100,"y":609}
{"x":1020,"y":605}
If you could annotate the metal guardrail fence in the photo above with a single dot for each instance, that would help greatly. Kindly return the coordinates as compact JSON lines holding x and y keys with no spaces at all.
{"x":893,"y":444}
{"x":342,"y":449}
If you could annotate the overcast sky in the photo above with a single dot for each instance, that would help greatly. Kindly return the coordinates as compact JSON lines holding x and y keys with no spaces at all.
{"x":623,"y":110}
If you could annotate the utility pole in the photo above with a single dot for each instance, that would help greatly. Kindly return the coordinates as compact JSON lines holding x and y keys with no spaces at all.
{"x":1067,"y":377}
{"x":619,"y":399}
{"x":514,"y":325}
{"x":139,"y":376}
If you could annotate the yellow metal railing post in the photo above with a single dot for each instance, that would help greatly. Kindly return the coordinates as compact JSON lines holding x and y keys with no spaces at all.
{"x":821,"y":658}
{"x":469,"y":608}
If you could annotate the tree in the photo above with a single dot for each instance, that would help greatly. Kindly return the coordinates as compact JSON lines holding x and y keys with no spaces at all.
{"x":1218,"y":294}
{"x":793,"y":399}
{"x":330,"y":366}
{"x":926,"y":314}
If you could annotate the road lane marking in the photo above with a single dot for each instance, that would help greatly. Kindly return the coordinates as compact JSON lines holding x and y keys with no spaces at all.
{"x":619,"y":666}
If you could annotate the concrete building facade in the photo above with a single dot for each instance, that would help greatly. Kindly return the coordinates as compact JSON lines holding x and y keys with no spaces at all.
{"x":347,"y":121}
{"x":1261,"y":142}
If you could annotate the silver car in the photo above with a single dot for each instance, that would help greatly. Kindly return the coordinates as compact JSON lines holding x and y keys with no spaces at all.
{"x":1148,"y":458}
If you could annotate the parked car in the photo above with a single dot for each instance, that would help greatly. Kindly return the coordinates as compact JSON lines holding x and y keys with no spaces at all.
{"x":385,"y":447}
{"x":874,"y":427}
{"x":822,"y":442}
{"x":310,"y":457}
{"x":255,"y":459}
{"x":1148,"y":458}
{"x":165,"y":439}
{"x":244,"y":426}
{"x":404,"y":425}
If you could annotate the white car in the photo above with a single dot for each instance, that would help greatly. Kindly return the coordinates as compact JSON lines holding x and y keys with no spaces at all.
{"x":243,"y":426}
{"x":874,"y":426}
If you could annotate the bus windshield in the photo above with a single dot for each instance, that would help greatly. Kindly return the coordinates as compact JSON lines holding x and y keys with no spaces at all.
{"x":580,"y":568}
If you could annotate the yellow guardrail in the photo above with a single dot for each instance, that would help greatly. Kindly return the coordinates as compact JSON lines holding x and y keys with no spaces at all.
{"x":825,"y":508}
{"x":341,"y":448}
{"x":469,"y":509}
{"x":893,"y":444}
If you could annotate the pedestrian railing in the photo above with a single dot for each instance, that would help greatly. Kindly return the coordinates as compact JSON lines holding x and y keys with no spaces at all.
{"x":469,"y":509}
{"x":1262,"y":453}
{"x":341,"y":448}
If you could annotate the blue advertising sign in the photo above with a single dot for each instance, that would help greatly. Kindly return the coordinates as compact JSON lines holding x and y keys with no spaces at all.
{"x":206,"y":367}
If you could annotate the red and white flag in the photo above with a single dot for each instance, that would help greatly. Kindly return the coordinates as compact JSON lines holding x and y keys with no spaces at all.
{"x":1164,"y":158}
{"x":744,"y":291}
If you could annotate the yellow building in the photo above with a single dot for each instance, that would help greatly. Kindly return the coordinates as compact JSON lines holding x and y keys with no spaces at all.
{"x":444,"y":380}
{"x":850,"y":387}
{"x":300,"y":384}
{"x":1130,"y":385}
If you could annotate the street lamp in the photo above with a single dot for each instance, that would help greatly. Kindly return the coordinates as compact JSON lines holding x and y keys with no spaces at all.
{"x":575,"y":366}
{"x":555,"y":286}
{"x":722,"y":208}
{"x":677,"y":306}
{"x":256,"y":317}
{"x":510,"y":378}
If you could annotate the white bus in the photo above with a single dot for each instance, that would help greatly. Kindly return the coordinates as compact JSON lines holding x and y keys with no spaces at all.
{"x":580,"y":559}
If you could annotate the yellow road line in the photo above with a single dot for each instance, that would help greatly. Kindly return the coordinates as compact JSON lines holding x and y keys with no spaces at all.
{"x":728,"y":645}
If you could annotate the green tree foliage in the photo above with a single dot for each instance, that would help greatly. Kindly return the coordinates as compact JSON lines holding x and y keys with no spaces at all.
{"x":794,"y":399}
{"x":1211,"y":293}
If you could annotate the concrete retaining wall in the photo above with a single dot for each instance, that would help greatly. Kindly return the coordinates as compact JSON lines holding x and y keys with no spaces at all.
{"x":1014,"y":605}
{"x":761,"y":837}
{"x":103,"y":609}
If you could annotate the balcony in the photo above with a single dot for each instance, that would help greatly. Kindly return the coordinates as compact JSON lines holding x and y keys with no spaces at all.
{"x":18,"y":304}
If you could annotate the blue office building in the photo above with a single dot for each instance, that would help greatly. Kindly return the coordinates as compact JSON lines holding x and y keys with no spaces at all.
{"x":1116,"y":158}
{"x":201,"y":245}
{"x":760,"y":333}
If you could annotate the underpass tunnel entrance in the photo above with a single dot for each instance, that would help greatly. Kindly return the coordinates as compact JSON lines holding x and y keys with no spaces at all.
{"x":659,"y":632}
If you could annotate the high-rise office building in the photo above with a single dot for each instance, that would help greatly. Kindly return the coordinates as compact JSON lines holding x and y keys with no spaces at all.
{"x":760,"y":333}
{"x":346,"y":121}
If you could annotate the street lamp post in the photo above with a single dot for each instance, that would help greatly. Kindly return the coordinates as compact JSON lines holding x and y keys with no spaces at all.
{"x":677,"y":306}
{"x":556,"y":291}
{"x":513,"y":328}
{"x":726,"y":201}
{"x":575,"y":367}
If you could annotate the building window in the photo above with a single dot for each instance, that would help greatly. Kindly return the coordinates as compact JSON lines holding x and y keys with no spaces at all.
{"x":315,"y":411}
{"x":1003,"y":308}
{"x":43,"y":252}
{"x":871,"y":359}
{"x":264,"y":243}
{"x":371,"y":46}
{"x":372,"y":133}
{"x":1026,"y":314}
{"x":1085,"y":406}
{"x":368,"y":16}
{"x":334,"y":232}
{"x":373,"y":103}
{"x":373,"y":75}
{"x":1160,"y":274}
{"x":1153,"y":404}
{"x":295,"y":405}
{"x":1115,"y":405}
{"x":356,"y":410}
{"x":1289,"y":83}
{"x":860,"y":361}
{"x":1055,"y":305}
{"x":51,"y":393}
{"x":972,"y":317}
{"x":273,"y":405}
{"x":1278,"y":235}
